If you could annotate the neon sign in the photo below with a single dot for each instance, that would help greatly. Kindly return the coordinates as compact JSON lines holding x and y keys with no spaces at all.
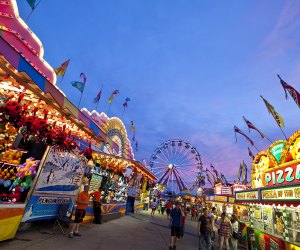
{"x":248,"y":195}
{"x":288,"y":193}
{"x":283,"y":175}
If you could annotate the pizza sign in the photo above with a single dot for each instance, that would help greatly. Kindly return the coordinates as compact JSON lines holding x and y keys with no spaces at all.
{"x":283,"y":175}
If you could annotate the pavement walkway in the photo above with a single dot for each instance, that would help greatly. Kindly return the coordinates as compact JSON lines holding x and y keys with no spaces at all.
{"x":138,"y":231}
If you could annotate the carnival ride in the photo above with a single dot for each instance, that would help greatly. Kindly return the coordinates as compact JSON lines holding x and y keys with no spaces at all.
{"x":177,"y":166}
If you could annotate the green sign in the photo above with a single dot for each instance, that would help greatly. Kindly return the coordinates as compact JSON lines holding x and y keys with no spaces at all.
{"x":277,"y":150}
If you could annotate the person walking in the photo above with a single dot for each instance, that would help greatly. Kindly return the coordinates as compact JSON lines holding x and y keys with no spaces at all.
{"x":225,"y":231}
{"x":153,"y":207}
{"x":159,"y":207}
{"x":182,"y":222}
{"x":204,"y":231}
{"x":146,"y":203}
{"x":82,"y":204}
{"x":213,"y":216}
{"x":175,"y":223}
{"x":131,"y":197}
{"x":97,"y":206}
{"x":235,"y":230}
{"x":193,"y":213}
{"x":169,"y":207}
{"x":163,"y":207}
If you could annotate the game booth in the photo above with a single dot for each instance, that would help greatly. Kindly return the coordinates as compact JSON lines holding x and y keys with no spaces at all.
{"x":275,"y":197}
{"x":46,"y":143}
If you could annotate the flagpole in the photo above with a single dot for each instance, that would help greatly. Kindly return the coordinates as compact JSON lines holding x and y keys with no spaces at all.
{"x":256,"y":148}
{"x":80,"y":100}
{"x":123,"y":112}
{"x":32,"y":10}
{"x":108,"y":109}
{"x":100,"y":97}
{"x":283,"y":132}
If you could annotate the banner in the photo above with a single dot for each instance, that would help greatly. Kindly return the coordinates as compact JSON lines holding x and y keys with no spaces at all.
{"x":61,"y":173}
{"x":45,"y":207}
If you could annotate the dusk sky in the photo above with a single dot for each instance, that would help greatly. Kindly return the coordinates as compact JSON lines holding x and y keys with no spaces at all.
{"x":192,"y":68}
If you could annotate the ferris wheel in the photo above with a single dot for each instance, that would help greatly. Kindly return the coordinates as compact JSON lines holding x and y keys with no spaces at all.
{"x":177,"y":166}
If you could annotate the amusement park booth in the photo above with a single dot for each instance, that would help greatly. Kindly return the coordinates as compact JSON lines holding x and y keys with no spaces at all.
{"x":42,"y":159}
{"x":274,"y":200}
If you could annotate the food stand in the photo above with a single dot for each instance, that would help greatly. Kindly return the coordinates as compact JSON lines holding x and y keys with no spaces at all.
{"x":274,"y":201}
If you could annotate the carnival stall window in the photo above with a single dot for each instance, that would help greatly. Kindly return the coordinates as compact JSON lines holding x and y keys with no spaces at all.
{"x":293,"y":224}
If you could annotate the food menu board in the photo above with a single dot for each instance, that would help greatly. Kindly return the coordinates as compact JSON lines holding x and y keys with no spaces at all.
{"x":278,"y":222}
{"x":268,"y":219}
{"x":257,"y":218}
{"x":293,"y":224}
{"x":267,"y":213}
{"x":95,"y":182}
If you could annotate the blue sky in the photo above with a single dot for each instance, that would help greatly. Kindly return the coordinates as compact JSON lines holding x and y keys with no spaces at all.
{"x":191,"y":68}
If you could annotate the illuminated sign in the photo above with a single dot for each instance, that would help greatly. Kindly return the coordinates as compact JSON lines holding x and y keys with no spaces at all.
{"x":218,"y":188}
{"x":238,"y":187}
{"x":220,"y":198}
{"x":226,"y":191}
{"x":247,"y":195}
{"x":282,"y":175}
{"x":231,"y":199}
{"x":285,"y":193}
{"x":277,"y":150}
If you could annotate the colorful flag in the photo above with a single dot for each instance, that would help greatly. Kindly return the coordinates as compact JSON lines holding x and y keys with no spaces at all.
{"x":293,"y":92}
{"x":237,"y":130}
{"x":62,"y":69}
{"x":239,"y":174}
{"x":111,"y":98}
{"x":224,"y":180}
{"x":32,"y":4}
{"x":250,"y":153}
{"x":136,"y":146}
{"x":278,"y":118}
{"x":97,"y":98}
{"x":78,"y":85}
{"x":250,"y":125}
{"x":132,"y":128}
{"x":244,"y":173}
{"x":83,"y":76}
{"x":125,"y":104}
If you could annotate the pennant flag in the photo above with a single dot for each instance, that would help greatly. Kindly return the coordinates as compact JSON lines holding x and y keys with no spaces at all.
{"x":32,"y":4}
{"x":293,"y":92}
{"x":111,"y":98}
{"x":250,"y":153}
{"x":237,"y":130}
{"x":278,"y":118}
{"x":97,"y":98}
{"x":83,"y":76}
{"x":78,"y":85}
{"x":132,"y":127}
{"x":224,"y":180}
{"x":62,"y":69}
{"x":209,"y":179}
{"x":125,"y":104}
{"x":251,"y":126}
{"x":212,"y":176}
{"x":239,"y":174}
{"x":244,"y":173}
{"x":136,"y":146}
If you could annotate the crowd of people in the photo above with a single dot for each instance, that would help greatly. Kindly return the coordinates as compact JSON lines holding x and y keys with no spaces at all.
{"x":211,"y":227}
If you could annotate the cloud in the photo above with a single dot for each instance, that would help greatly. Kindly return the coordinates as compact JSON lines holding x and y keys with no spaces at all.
{"x":284,"y":35}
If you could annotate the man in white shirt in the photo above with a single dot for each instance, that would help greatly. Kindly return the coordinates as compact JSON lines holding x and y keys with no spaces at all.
{"x":130,"y":198}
